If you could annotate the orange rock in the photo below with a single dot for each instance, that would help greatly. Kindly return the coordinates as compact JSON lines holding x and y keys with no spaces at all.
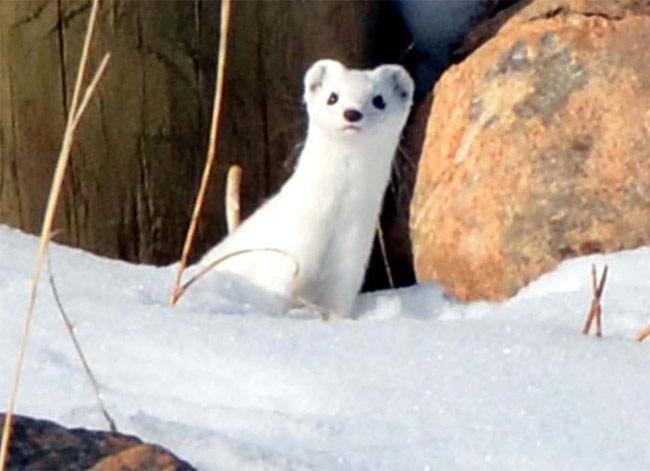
{"x":140,"y":458}
{"x":537,"y":149}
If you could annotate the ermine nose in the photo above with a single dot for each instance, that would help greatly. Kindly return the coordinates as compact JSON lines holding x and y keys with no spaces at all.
{"x":352,"y":115}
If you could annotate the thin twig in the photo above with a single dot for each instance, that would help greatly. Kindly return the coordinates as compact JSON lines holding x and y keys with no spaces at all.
{"x":402,"y":152}
{"x":46,"y":231}
{"x":595,"y":312}
{"x":181,"y":289}
{"x":645,"y":333}
{"x":407,"y":50}
{"x":325,"y":313}
{"x":384,"y":255}
{"x":233,"y":207}
{"x":212,"y":148}
{"x":90,"y":90}
{"x":70,"y":327}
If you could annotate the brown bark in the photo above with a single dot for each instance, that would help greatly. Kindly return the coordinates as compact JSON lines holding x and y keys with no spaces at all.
{"x":141,"y":145}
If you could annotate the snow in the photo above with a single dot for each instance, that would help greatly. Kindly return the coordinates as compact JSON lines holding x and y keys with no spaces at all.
{"x":418,"y":382}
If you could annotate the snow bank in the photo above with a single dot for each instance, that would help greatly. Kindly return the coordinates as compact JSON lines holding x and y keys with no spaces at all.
{"x":418,"y":382}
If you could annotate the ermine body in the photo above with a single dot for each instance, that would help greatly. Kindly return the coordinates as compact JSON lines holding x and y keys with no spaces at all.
{"x":320,"y":226}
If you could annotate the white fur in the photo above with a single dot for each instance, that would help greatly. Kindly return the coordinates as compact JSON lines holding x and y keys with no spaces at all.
{"x":324,"y":216}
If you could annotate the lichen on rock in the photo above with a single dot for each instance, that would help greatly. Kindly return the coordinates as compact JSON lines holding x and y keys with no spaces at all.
{"x":537,"y":149}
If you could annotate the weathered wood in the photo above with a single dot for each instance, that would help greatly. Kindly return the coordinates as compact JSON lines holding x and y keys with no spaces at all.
{"x":141,"y":145}
{"x":137,"y":151}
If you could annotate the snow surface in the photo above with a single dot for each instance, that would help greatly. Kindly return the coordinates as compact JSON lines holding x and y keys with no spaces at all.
{"x":418,"y":382}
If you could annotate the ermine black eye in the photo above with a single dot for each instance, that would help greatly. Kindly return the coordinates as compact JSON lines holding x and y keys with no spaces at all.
{"x":378,"y":102}
{"x":333,"y":98}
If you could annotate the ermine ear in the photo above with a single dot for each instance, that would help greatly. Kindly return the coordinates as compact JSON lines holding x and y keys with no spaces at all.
{"x":399,"y":79}
{"x":317,"y":74}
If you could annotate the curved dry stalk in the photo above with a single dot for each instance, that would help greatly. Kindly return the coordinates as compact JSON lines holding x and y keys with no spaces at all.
{"x":212,"y":149}
{"x":233,"y":207}
{"x":181,"y":289}
{"x":46,"y":230}
{"x":384,"y":255}
{"x":326,"y":313}
{"x":70,"y":327}
{"x":645,"y":333}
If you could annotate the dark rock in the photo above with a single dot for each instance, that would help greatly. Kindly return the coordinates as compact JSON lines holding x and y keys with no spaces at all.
{"x":38,"y":445}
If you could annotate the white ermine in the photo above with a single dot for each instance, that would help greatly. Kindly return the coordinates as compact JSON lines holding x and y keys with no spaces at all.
{"x":316,"y":234}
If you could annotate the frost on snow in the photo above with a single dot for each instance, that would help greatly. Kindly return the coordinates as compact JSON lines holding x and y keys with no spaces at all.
{"x":418,"y":382}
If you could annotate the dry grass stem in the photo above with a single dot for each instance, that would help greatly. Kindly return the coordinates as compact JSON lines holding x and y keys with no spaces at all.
{"x":181,"y":289}
{"x":384,"y":255}
{"x":233,"y":207}
{"x":70,"y":327}
{"x":90,"y":90}
{"x":645,"y":333}
{"x":595,"y":312}
{"x":212,"y":149}
{"x":46,"y":231}
{"x":325,"y":313}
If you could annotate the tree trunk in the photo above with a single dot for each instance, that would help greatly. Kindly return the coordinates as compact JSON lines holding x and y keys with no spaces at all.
{"x":141,"y":145}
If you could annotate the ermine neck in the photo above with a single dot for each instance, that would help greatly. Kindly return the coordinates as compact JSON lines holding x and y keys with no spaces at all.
{"x":366,"y":153}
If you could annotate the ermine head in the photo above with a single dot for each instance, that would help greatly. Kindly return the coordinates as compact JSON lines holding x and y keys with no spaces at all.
{"x":358,"y":104}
